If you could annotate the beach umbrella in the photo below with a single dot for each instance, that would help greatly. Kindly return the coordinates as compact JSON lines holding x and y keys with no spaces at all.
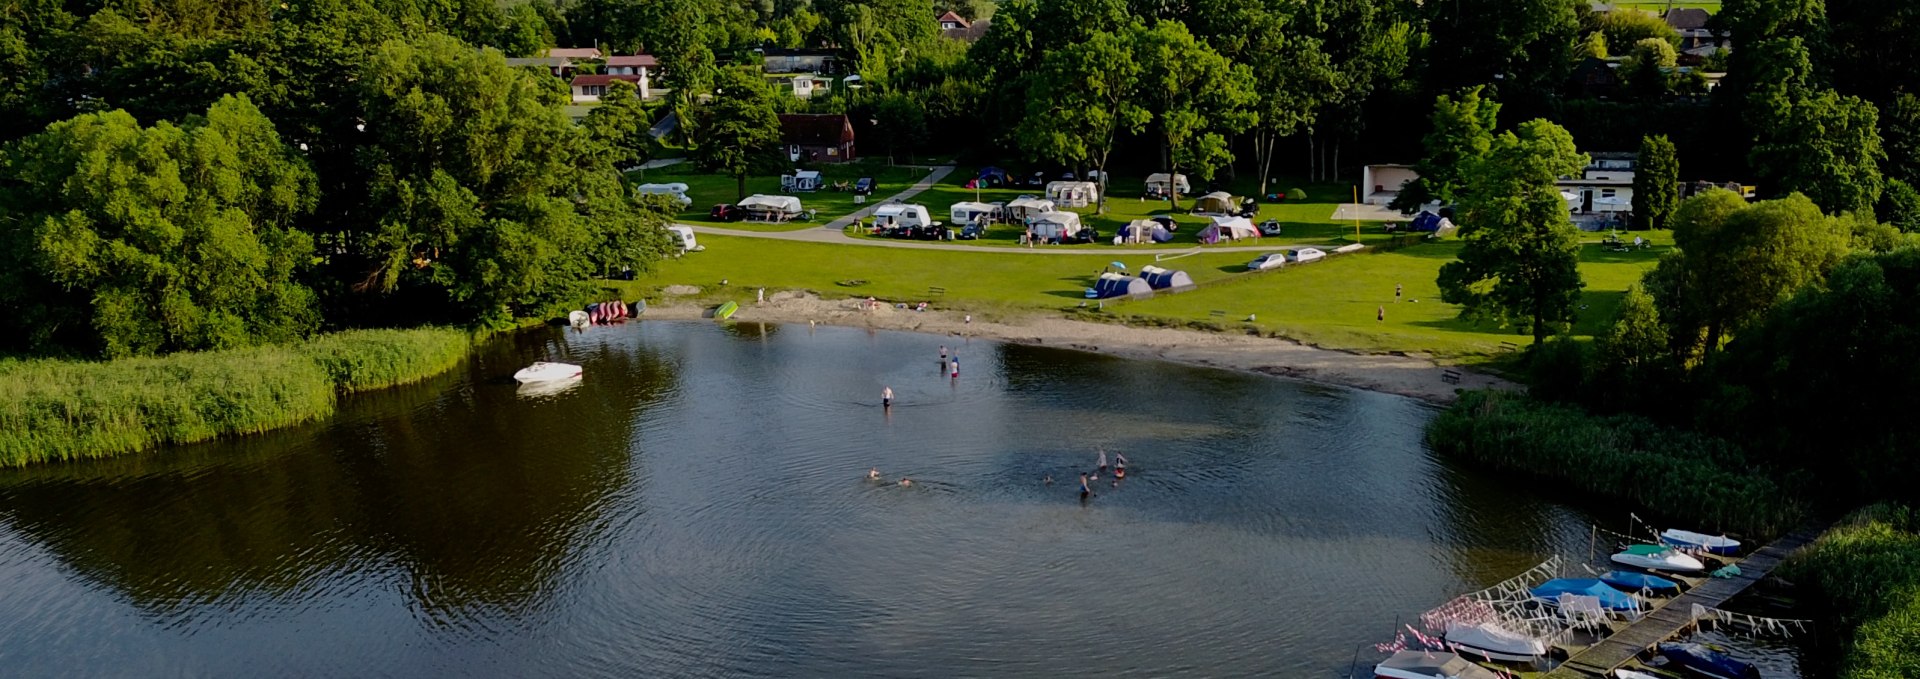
{"x":1117,"y":265}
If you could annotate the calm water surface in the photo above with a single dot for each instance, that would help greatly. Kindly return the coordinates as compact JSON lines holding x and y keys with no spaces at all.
{"x":696,"y":507}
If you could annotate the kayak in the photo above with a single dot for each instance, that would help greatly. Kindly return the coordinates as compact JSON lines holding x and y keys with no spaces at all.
{"x":726,"y":310}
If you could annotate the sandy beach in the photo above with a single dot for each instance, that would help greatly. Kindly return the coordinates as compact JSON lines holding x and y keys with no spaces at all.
{"x":1404,"y":375}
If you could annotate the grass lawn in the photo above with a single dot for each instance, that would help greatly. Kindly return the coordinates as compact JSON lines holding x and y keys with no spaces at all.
{"x":1329,"y":304}
{"x":1306,"y":222}
{"x":707,"y":190}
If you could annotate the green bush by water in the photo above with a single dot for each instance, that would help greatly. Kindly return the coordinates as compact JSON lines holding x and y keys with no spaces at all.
{"x":1866,"y":572}
{"x":1679,"y":474}
{"x":65,"y":410}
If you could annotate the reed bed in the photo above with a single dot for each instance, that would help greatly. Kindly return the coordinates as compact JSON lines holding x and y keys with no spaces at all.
{"x":1680,"y":474}
{"x":53,"y":410}
{"x":1866,"y":573}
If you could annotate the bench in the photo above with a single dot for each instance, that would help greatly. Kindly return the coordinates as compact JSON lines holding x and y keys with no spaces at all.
{"x":1509,"y":346}
{"x":1450,"y":376}
{"x":933,"y":291}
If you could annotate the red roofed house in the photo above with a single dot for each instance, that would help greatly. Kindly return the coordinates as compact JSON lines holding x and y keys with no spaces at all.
{"x":815,"y":137}
{"x":956,"y":27}
{"x":588,"y":88}
{"x":642,"y":65}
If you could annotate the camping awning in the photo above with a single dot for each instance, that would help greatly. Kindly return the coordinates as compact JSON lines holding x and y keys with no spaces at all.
{"x":771,"y":203}
{"x":1236,"y":227}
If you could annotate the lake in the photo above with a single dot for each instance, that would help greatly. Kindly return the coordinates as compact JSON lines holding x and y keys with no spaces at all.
{"x":696,"y":506}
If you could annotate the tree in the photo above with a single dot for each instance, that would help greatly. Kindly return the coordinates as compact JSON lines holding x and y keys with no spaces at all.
{"x":620,"y":124}
{"x":1520,"y":43}
{"x":1593,"y":47}
{"x":1289,"y":68}
{"x":1521,"y":256}
{"x":1629,"y":27}
{"x":1083,"y":98}
{"x":739,"y":131}
{"x":1196,"y":96}
{"x":1736,"y":261}
{"x":1750,"y":21}
{"x":1826,"y":146}
{"x":1461,"y":135}
{"x":1900,"y":138}
{"x":1901,"y":204}
{"x":901,"y":123}
{"x":1656,"y":183}
{"x":127,"y":240}
{"x":1648,"y":67}
{"x":1631,"y":368}
{"x":1870,"y":48}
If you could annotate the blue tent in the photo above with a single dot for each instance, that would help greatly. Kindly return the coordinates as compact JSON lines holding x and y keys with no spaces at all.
{"x":1609,"y":597}
{"x":1142,"y":229}
{"x":1427,"y":222}
{"x":1111,"y":285}
{"x":993,"y":174}
{"x":1166,"y":279}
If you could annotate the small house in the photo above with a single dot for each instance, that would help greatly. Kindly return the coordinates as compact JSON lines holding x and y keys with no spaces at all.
{"x":1073,"y":194}
{"x":590,"y":88}
{"x":1604,"y":186}
{"x":956,"y":27}
{"x":779,"y":60}
{"x":817,"y":137}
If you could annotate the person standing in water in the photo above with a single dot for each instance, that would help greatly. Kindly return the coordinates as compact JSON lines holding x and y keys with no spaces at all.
{"x":1084,"y":490}
{"x":1102,"y":466}
{"x":886,"y":397}
{"x":954,"y":365}
{"x":943,"y":352}
{"x":1119,"y":466}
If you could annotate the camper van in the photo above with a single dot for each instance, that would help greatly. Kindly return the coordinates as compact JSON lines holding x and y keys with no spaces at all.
{"x":683,"y":235}
{"x":675,"y":189}
{"x":906,"y":215}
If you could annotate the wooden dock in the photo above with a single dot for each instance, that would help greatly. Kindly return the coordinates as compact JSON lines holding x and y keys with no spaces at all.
{"x":1663,"y":623}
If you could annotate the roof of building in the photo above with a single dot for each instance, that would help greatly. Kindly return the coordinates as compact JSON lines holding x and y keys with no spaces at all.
{"x":602,"y":79}
{"x":954,"y":17}
{"x":548,"y":62}
{"x":1688,"y":17}
{"x":969,"y":33}
{"x":792,"y":52}
{"x":815,"y":129}
{"x":646,"y":60}
{"x":575,"y":52}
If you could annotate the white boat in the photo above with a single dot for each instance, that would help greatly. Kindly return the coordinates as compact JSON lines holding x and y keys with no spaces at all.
{"x":1430,"y":665}
{"x":1711,"y":544}
{"x":537,"y":390}
{"x":578,"y":318}
{"x":543,"y":371}
{"x":1658,"y":558}
{"x":1632,"y":674}
{"x":1493,"y":642}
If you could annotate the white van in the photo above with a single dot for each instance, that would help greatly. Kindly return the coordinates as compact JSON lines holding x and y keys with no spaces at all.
{"x":902,"y":214}
{"x":684,"y":235}
{"x":675,"y":189}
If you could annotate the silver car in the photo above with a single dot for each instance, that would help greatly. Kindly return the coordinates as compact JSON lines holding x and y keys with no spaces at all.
{"x":1271,"y":260}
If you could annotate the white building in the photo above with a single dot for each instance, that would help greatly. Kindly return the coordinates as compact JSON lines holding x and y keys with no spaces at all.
{"x":1380,"y":184}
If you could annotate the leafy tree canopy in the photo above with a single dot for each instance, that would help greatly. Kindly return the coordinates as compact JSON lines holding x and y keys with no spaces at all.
{"x":1521,"y":255}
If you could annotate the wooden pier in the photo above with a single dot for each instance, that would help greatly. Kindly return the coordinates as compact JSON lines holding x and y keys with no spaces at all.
{"x":1663,"y":623}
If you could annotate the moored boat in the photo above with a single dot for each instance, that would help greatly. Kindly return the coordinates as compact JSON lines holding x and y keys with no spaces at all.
{"x":579,"y":319}
{"x":1640,"y":582}
{"x":1612,"y":599}
{"x":1706,"y":661}
{"x":726,"y":310}
{"x":1430,"y":665}
{"x":542,"y":371}
{"x":1658,"y":558}
{"x":1493,"y":642}
{"x":1711,"y":544}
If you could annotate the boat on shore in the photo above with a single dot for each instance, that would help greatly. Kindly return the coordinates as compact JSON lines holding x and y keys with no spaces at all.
{"x":1493,"y":642}
{"x":1658,"y":558}
{"x":1711,"y":544}
{"x":542,"y":371}
{"x":726,"y":311}
{"x":1430,"y":665}
{"x":1640,"y":582}
{"x":1706,"y":661}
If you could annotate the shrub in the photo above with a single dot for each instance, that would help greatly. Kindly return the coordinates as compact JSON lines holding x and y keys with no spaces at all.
{"x":1866,"y":572}
{"x":358,"y":360}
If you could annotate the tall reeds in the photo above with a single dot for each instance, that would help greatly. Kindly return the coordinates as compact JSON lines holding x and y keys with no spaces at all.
{"x":1866,"y":573}
{"x":64,"y":410}
{"x":1677,"y":473}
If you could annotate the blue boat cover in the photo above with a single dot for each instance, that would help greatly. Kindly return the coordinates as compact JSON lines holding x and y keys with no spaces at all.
{"x":1635,"y":582}
{"x":1609,"y":597}
{"x":1706,"y":660}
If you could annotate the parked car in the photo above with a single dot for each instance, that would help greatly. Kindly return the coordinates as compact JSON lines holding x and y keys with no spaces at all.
{"x":1270,"y":227}
{"x":1067,"y":176}
{"x":725,"y":212}
{"x":864,"y":186}
{"x":1249,"y":208}
{"x":1271,"y":260}
{"x":972,"y":231}
{"x":1082,"y":236}
{"x":1305,"y":255}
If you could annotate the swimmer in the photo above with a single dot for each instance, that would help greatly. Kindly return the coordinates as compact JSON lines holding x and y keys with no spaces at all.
{"x":1119,"y":473}
{"x":956,"y":366}
{"x":873,"y":474}
{"x":1103,"y":461}
{"x":886,"y":397}
{"x":1048,"y":479}
{"x":904,"y":481}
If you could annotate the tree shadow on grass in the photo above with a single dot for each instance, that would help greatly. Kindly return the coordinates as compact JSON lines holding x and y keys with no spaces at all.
{"x":1600,"y":254}
{"x":1597,"y":308}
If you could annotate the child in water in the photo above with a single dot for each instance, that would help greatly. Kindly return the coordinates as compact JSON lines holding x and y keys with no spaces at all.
{"x":904,"y":481}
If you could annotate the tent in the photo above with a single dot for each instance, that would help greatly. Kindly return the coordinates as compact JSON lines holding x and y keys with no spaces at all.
{"x":1157,"y":183}
{"x":801,"y":180}
{"x":1228,"y":228}
{"x":1054,"y":225}
{"x":992,"y":176}
{"x":771,"y":207}
{"x":1141,"y":230}
{"x":1073,"y":194}
{"x":1110,"y":285}
{"x":1166,"y":279}
{"x":1428,"y":222}
{"x":1026,"y":207}
{"x":1218,"y":203}
{"x":967,"y":212}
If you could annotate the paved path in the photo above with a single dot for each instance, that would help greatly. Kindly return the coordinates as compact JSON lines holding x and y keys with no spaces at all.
{"x":1603,"y":658}
{"x":834,"y":232}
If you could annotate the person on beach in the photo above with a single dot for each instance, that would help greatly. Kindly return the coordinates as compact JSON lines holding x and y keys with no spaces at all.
{"x":1380,"y":315}
{"x":886,"y":397}
{"x":1396,"y":292}
{"x":1084,"y":490}
{"x":1102,"y":466}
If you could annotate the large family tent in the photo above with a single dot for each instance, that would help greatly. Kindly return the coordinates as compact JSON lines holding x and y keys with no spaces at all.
{"x":1143,"y":230}
{"x":1166,"y":279}
{"x":1110,"y":285}
{"x":1228,"y":228}
{"x":1428,"y":222}
{"x":1073,"y":194}
{"x":1054,"y":225}
{"x":969,"y":212}
{"x":1158,"y":183}
{"x":771,"y":208}
{"x":1216,"y":203}
{"x":1026,"y":207}
{"x":992,"y":176}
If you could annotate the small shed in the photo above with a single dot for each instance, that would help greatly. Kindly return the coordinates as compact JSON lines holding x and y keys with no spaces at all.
{"x":1111,"y":285}
{"x":1073,"y":194}
{"x":968,"y":212}
{"x":1054,"y":225}
{"x":771,"y":208}
{"x":801,"y":180}
{"x":1026,"y":207}
{"x":1159,"y":183}
{"x":1166,"y":279}
{"x":1216,"y":203}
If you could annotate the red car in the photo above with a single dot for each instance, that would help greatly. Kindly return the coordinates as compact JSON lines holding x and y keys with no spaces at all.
{"x":726,"y":213}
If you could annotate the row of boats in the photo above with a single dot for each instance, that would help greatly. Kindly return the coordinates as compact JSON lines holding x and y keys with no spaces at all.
{"x":1561,"y":604}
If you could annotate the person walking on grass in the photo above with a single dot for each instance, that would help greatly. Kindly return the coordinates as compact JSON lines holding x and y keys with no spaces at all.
{"x":1396,"y":292}
{"x":1380,"y":315}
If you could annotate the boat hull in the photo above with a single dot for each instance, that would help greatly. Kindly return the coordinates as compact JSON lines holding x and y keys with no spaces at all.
{"x":1712,"y":544}
{"x":547,"y":372}
{"x":726,"y":310}
{"x":1490,"y":654}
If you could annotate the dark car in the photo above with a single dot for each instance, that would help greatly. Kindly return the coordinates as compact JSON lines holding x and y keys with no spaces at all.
{"x":972,"y":231}
{"x":1249,"y":208}
{"x":928,"y":232}
{"x":1082,"y":236}
{"x":864,"y":186}
{"x":726,"y":213}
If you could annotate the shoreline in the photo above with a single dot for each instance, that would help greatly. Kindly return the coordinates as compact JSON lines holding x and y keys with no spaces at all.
{"x":1408,"y":376}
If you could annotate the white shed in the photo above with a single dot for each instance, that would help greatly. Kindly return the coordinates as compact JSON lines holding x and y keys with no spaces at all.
{"x":1073,"y":194}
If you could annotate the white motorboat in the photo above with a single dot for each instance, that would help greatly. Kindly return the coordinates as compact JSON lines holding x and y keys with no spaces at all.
{"x":1493,"y":642}
{"x":1658,"y":558}
{"x":1633,"y":674}
{"x":537,"y":390}
{"x":543,"y":371}
{"x":579,"y":319}
{"x":1430,"y":665}
{"x":1711,"y":544}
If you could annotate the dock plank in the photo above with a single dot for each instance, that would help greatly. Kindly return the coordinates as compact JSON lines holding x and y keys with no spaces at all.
{"x":1663,"y":623}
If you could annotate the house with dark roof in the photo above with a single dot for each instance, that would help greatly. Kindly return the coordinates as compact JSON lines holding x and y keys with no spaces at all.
{"x":817,"y":137}
{"x":1695,"y":36}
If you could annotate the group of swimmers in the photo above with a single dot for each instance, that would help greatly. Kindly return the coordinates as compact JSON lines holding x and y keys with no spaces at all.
{"x":949,"y":365}
{"x":1087,"y":480}
{"x":874,"y":475}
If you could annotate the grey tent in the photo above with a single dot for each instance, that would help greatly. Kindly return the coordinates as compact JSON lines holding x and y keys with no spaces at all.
{"x":1166,"y":279}
{"x":1111,"y":285}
